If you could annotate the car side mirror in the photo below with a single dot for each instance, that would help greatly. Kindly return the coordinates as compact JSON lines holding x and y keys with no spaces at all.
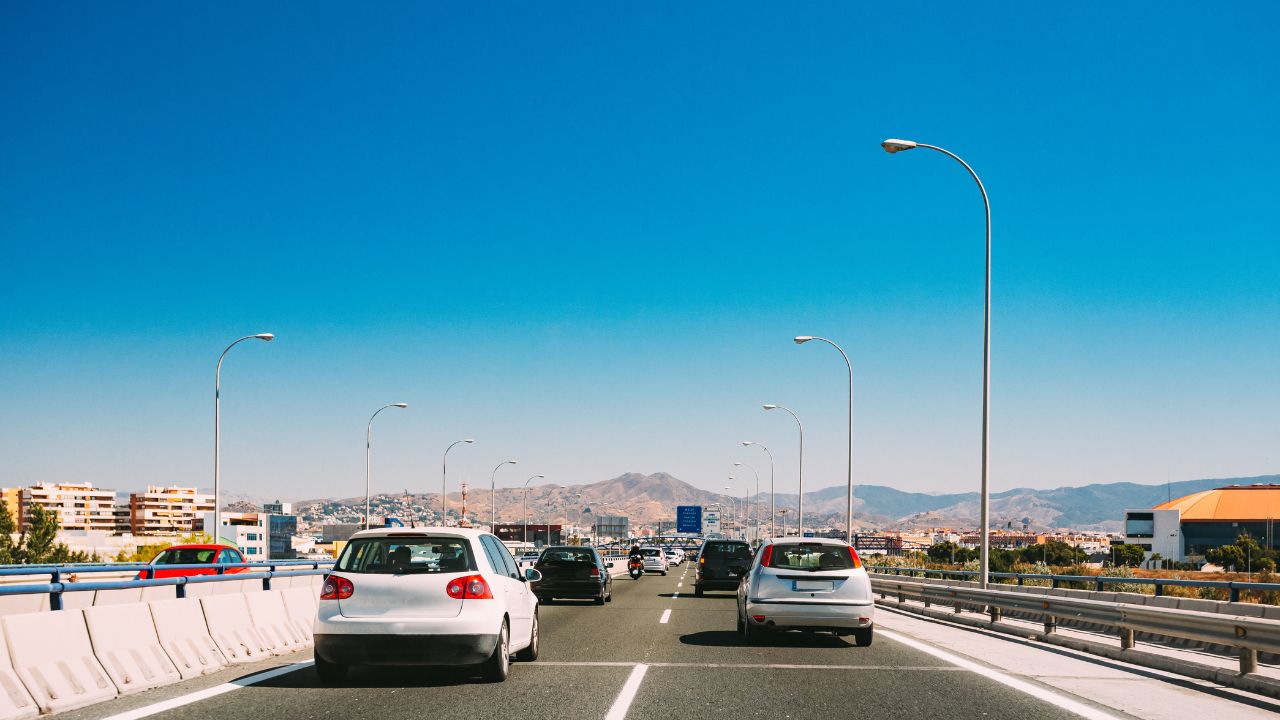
{"x":532,"y":575}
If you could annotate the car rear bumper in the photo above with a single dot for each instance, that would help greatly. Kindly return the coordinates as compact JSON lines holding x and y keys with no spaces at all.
{"x":786,"y":615}
{"x":565,"y":590}
{"x":393,"y":650}
{"x":718,"y":583}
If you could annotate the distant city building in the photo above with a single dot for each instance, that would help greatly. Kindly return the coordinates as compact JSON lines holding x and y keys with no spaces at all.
{"x":277,"y":508}
{"x":1184,"y":528}
{"x":12,"y":501}
{"x":339,"y":531}
{"x":77,"y":506}
{"x":167,"y":510}
{"x":260,"y":536}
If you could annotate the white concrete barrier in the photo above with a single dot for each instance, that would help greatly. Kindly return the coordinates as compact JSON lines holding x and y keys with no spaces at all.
{"x":266,"y":610}
{"x":125,"y":642}
{"x":125,"y":596}
{"x":22,"y":604}
{"x":232,"y":628}
{"x":301,"y":604}
{"x":182,"y":632}
{"x":15,"y":702}
{"x":52,"y":655}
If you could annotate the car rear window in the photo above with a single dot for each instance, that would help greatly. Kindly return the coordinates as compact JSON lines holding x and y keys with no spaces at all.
{"x":393,"y":555}
{"x":186,"y":556}
{"x":651,"y":552}
{"x":810,"y":556}
{"x":726,"y":551}
{"x":568,"y":555}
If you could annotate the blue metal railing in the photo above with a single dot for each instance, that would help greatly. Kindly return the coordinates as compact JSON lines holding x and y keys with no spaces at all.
{"x":1232,"y":587}
{"x":60,"y":583}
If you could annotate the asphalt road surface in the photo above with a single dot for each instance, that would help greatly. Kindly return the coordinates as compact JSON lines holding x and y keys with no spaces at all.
{"x":657,"y":652}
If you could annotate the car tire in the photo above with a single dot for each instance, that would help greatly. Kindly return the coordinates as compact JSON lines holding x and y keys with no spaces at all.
{"x":664,"y":573}
{"x":599,"y":600}
{"x":742,"y":626}
{"x":330,"y":673}
{"x":609,"y":597}
{"x":863,"y":636}
{"x":530,"y":653}
{"x":753,"y":634}
{"x":697,"y":591}
{"x":498,"y":666}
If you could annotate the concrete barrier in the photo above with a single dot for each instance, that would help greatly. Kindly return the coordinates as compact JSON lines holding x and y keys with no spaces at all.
{"x":52,"y":655}
{"x":23,"y":604}
{"x":232,"y":628}
{"x":115,"y":597}
{"x":266,"y":610}
{"x":182,"y":632}
{"x":125,"y":642}
{"x":301,"y":604}
{"x":15,"y":702}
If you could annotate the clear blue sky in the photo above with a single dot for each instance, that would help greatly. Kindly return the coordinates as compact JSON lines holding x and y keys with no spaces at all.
{"x":585,"y":233}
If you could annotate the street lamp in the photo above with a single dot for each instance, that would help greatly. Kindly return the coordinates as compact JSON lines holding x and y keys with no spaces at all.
{"x":524,"y":508}
{"x":800,"y":496}
{"x":729,"y":492}
{"x":755,"y":519}
{"x":493,"y":490}
{"x":848,"y":517}
{"x":444,"y":478}
{"x":368,"y":465}
{"x":217,"y":431}
{"x":893,"y":146}
{"x":773,"y":500}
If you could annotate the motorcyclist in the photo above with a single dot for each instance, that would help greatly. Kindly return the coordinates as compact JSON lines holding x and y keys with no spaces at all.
{"x":635,"y":554}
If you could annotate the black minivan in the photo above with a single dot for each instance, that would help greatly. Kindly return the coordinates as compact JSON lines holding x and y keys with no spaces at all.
{"x":721,"y":563}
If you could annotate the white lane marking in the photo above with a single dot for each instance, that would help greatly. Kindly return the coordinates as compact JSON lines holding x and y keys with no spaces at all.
{"x":666,"y":615}
{"x":1023,"y":686}
{"x":679,"y":584}
{"x":675,"y":595}
{"x":751,"y":666}
{"x":216,"y":690}
{"x":623,"y":703}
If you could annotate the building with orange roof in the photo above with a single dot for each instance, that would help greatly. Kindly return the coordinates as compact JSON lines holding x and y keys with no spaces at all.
{"x":1184,"y":528}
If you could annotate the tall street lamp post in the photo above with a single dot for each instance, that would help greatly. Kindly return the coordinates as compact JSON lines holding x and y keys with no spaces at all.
{"x":773,"y":501}
{"x":848,"y":516}
{"x":217,"y":432}
{"x":493,"y":491}
{"x":800,"y":496}
{"x":728,"y":491}
{"x":893,"y":146}
{"x":755,"y":512}
{"x":444,"y":478}
{"x":368,"y":463}
{"x":524,"y":508}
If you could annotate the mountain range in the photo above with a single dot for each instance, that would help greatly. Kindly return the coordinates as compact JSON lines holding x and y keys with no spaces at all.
{"x":646,"y":499}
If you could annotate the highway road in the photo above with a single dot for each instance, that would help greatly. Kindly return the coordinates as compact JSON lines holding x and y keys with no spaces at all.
{"x":657,"y":652}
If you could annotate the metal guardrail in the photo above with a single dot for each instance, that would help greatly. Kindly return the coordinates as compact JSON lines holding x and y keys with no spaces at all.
{"x":1232,"y":587}
{"x":64,"y":578}
{"x":1248,"y":635}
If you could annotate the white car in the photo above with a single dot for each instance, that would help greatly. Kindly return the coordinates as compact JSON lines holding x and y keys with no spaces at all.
{"x":429,"y":596}
{"x":809,"y":584}
{"x":674,"y":557}
{"x":654,"y":560}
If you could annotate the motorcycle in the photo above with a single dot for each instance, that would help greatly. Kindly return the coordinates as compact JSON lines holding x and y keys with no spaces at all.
{"x":635,"y":568}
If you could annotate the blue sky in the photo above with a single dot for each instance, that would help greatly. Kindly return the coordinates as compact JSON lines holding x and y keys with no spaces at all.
{"x":584,"y":234}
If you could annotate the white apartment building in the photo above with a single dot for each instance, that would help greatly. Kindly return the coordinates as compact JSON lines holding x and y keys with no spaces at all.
{"x":77,"y":506}
{"x":167,"y":510}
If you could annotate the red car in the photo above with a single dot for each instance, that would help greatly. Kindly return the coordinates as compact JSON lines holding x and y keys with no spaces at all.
{"x":193,"y":555}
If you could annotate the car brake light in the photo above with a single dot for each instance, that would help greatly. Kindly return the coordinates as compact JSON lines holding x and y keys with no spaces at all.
{"x":337,"y":588}
{"x":702,"y":561}
{"x":595,"y":572}
{"x":758,"y":618}
{"x":853,"y":555}
{"x":471,"y":587}
{"x":767,"y":556}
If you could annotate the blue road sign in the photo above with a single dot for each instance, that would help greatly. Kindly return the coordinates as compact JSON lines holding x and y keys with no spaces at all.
{"x":689,"y":518}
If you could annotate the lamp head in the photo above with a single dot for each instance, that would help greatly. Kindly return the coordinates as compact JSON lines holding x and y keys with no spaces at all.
{"x":400,"y":405}
{"x":802,"y":339}
{"x":737,"y":464}
{"x":770,"y":407}
{"x":512,"y":462}
{"x":748,"y":443}
{"x":265,"y":336}
{"x":468,"y":440}
{"x":893,"y":145}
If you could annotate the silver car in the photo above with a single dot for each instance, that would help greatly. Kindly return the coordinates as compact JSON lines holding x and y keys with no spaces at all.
{"x":809,"y":584}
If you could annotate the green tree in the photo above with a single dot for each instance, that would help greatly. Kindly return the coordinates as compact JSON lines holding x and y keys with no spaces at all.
{"x":1228,"y":556}
{"x":7,"y":528}
{"x":1128,"y":555}
{"x":38,"y":542}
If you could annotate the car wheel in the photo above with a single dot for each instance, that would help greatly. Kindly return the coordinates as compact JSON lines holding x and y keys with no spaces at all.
{"x":496,"y":668}
{"x":753,"y":634}
{"x":330,"y":673}
{"x":530,"y":653}
{"x":863,"y":636}
{"x":609,"y":597}
{"x":697,"y":591}
{"x":742,"y":626}
{"x":664,"y":573}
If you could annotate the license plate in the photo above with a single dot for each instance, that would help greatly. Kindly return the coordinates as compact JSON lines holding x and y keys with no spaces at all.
{"x":813,"y":585}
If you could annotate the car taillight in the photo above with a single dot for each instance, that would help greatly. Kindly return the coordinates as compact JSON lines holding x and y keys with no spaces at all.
{"x":767,"y":556}
{"x":595,"y":572}
{"x":336,"y":588}
{"x":471,"y":587}
{"x":853,"y":555}
{"x":702,"y":561}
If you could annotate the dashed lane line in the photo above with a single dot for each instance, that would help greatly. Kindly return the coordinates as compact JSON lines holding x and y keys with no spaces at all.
{"x":666,"y":615}
{"x":628,"y":694}
{"x":755,"y":666}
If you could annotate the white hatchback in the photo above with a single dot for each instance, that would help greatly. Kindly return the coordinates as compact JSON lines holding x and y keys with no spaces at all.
{"x":429,"y":596}
{"x":808,"y":584}
{"x":654,"y":560}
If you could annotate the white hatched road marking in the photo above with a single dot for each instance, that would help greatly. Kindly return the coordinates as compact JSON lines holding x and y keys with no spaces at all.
{"x":1023,"y":686}
{"x":750,"y":666}
{"x":623,"y":703}
{"x":149,"y":710}
{"x":666,"y":615}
